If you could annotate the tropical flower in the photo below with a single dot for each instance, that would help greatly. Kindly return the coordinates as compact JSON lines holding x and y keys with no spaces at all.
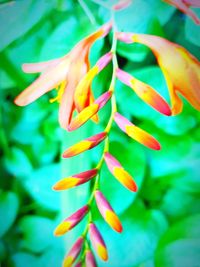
{"x":180,"y":68}
{"x":89,"y":111}
{"x":89,"y":259}
{"x":98,"y":242}
{"x":71,"y":221}
{"x":184,"y":6}
{"x":65,"y":73}
{"x":107,"y":212}
{"x":136,"y":133}
{"x":75,"y":180}
{"x":119,"y":173}
{"x":73,"y":253}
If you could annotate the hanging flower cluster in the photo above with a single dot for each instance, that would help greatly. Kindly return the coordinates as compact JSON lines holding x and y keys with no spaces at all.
{"x":73,"y":76}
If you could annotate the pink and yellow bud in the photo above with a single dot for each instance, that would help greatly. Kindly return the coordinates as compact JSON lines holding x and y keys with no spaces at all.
{"x":71,"y":221}
{"x":73,"y":253}
{"x":89,"y":111}
{"x":107,"y":212}
{"x":119,"y":173}
{"x":180,"y":68}
{"x":84,"y":145}
{"x":82,"y":90}
{"x":75,"y":180}
{"x":98,"y":242}
{"x":145,"y":92}
{"x":89,"y":259}
{"x":184,"y":5}
{"x":136,"y":133}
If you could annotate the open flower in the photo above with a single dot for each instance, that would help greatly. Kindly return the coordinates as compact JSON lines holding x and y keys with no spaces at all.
{"x":75,"y":180}
{"x":65,"y":72}
{"x":135,"y":132}
{"x":184,"y":6}
{"x":180,"y":68}
{"x":84,"y":145}
{"x":119,"y":173}
{"x":145,"y":92}
{"x":73,"y":253}
{"x":98,"y":242}
{"x":107,"y":212}
{"x":71,"y":221}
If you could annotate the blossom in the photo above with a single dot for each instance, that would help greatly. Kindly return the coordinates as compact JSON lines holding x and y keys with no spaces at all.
{"x":180,"y":68}
{"x":98,"y":242}
{"x":119,"y":173}
{"x":65,"y":73}
{"x":107,"y":212}
{"x":75,"y":180}
{"x":89,"y":111}
{"x":89,"y":259}
{"x":145,"y":92}
{"x":73,"y":253}
{"x":184,"y":5}
{"x":135,"y":132}
{"x":84,"y":145}
{"x":71,"y":221}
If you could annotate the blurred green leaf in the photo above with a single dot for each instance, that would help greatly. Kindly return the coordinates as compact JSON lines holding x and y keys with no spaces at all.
{"x":19,"y":17}
{"x":39,"y":185}
{"x":182,"y":238}
{"x":22,"y":259}
{"x":65,"y":36}
{"x":184,"y":253}
{"x":9,"y":205}
{"x":17,"y":163}
{"x":192,"y":30}
{"x":37,"y":233}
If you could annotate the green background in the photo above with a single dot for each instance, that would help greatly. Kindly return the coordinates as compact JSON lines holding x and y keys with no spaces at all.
{"x":161,"y":222}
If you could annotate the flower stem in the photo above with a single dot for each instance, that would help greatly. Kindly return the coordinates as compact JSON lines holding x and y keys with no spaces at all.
{"x":107,"y":128}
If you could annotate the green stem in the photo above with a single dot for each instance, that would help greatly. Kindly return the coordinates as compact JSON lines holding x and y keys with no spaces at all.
{"x":87,"y":12}
{"x":107,"y":128}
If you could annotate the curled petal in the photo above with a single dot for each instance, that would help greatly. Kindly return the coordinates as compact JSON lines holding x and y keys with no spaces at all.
{"x":82,"y":90}
{"x":84,"y":145}
{"x":73,"y":253}
{"x":75,"y":180}
{"x":98,"y":242}
{"x":41,"y":66}
{"x":145,"y":92}
{"x":89,"y":111}
{"x":180,"y":68}
{"x":119,"y":173}
{"x":136,"y":133}
{"x":90,"y":260}
{"x":107,"y":212}
{"x":71,"y":221}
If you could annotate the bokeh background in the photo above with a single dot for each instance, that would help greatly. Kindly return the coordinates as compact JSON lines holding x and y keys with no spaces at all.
{"x":162,"y":221}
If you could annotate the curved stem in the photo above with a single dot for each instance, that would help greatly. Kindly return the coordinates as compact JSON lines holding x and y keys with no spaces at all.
{"x":107,"y":128}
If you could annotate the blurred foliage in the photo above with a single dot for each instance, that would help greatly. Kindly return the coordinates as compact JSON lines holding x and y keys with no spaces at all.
{"x":161,"y":221}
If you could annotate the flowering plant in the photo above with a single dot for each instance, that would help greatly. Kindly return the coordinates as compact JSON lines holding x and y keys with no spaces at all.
{"x":72,"y":76}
